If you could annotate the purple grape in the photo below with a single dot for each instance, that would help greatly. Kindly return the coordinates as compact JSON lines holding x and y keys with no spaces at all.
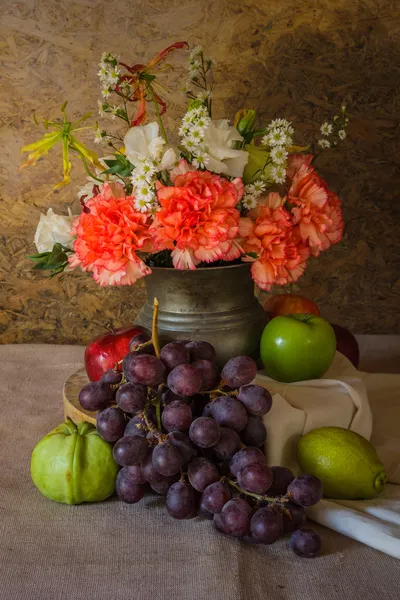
{"x":209,"y":373}
{"x":266,"y":525}
{"x":110,"y":423}
{"x":135,"y":474}
{"x":245,"y":457}
{"x":174,"y":354}
{"x":305,"y":543}
{"x":130,"y":450}
{"x":217,"y":520}
{"x":305,"y":490}
{"x":239,"y":371}
{"x":96,"y":396}
{"x":177,"y":416}
{"x":235,"y":517}
{"x":256,"y":399}
{"x":207,"y":410}
{"x":201,"y":351}
{"x":228,"y":444}
{"x":215,"y":496}
{"x":167,"y":460}
{"x":111,"y":376}
{"x":161,"y":487}
{"x":293,"y":517}
{"x":137,"y":427}
{"x":254,"y":434}
{"x":138,"y":340}
{"x":168,"y":396}
{"x":131,"y":397}
{"x":201,"y":473}
{"x":282,"y":477}
{"x":255,"y":478}
{"x":148,"y":470}
{"x":204,"y":513}
{"x":204,"y":432}
{"x":127,"y":490}
{"x":181,"y":501}
{"x":184,"y":380}
{"x":182,"y":443}
{"x":229,"y":412}
{"x":144,"y":368}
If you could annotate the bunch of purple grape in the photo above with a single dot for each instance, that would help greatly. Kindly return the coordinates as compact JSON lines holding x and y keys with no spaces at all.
{"x":196,"y":436}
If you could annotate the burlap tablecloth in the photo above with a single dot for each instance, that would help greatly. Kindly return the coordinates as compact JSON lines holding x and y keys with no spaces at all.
{"x":113,"y":551}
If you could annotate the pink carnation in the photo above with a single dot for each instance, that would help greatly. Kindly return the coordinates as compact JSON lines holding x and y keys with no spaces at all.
{"x":109,"y":233}
{"x":198,"y":219}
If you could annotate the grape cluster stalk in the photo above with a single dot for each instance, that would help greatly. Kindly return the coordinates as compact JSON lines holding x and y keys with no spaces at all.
{"x":196,"y":436}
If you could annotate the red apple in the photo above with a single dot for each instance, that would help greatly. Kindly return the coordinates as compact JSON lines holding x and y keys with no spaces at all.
{"x":290,"y":304}
{"x":347,"y":344}
{"x":107,"y":349}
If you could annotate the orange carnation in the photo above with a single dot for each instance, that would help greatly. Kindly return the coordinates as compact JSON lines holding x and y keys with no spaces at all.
{"x":198,"y":219}
{"x":281,"y":257}
{"x":109,"y":233}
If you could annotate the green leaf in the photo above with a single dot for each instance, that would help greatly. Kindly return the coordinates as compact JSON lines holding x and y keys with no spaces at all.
{"x":252,"y":254}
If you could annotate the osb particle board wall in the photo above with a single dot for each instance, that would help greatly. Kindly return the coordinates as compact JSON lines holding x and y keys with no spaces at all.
{"x":294,"y":59}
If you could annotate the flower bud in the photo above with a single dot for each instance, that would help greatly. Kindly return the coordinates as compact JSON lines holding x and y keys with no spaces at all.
{"x":245,"y":120}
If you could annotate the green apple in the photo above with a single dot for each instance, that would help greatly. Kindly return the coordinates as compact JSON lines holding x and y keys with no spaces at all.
{"x":297,"y":347}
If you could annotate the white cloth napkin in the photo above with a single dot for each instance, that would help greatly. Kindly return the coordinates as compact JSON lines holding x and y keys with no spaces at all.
{"x":367,"y":403}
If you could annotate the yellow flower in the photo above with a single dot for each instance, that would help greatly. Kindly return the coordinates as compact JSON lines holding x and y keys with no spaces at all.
{"x":62,"y":133}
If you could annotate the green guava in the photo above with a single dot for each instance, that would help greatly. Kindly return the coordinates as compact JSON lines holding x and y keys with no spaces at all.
{"x":73,"y":464}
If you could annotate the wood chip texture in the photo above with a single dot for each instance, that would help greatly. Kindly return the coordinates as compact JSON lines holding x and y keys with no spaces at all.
{"x":298,"y":60}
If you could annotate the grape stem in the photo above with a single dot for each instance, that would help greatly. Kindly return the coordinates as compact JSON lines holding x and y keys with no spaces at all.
{"x":281,"y":499}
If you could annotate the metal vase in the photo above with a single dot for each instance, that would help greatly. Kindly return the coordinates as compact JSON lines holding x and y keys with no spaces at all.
{"x":216,"y":304}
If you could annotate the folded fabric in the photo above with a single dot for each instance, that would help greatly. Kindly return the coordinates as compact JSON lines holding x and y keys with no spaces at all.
{"x":339,"y":398}
{"x":373,"y":522}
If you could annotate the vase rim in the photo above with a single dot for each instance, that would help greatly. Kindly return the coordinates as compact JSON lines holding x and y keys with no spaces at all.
{"x":243,"y":264}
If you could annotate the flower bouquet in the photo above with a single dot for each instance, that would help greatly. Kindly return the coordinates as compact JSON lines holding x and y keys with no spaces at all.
{"x":211,"y":194}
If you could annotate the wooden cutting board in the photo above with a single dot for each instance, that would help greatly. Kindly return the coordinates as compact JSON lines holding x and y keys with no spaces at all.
{"x":72,"y":408}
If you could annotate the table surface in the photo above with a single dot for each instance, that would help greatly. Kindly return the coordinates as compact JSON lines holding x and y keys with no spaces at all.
{"x":115,"y":551}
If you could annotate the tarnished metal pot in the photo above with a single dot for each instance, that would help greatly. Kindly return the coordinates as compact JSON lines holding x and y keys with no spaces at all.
{"x":216,"y":304}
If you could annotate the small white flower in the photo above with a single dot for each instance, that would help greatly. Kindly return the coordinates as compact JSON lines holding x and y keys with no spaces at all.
{"x":326,"y":128}
{"x":102,"y":106}
{"x":277,"y":137}
{"x":188,"y":118}
{"x":324,"y":143}
{"x":196,"y":134}
{"x":183,"y":130}
{"x":194,"y":52}
{"x":279,"y":123}
{"x":200,"y":160}
{"x":342,"y":134}
{"x":102,"y":73}
{"x":203,"y":96}
{"x":250,"y":201}
{"x":189,"y":144}
{"x":98,"y":136}
{"x":106,"y":92}
{"x":278,"y":174}
{"x":259,"y":187}
{"x":278,"y":155}
{"x":142,"y":205}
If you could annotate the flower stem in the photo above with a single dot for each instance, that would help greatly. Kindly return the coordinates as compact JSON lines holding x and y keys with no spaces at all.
{"x":85,"y":166}
{"x":159,"y":119}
